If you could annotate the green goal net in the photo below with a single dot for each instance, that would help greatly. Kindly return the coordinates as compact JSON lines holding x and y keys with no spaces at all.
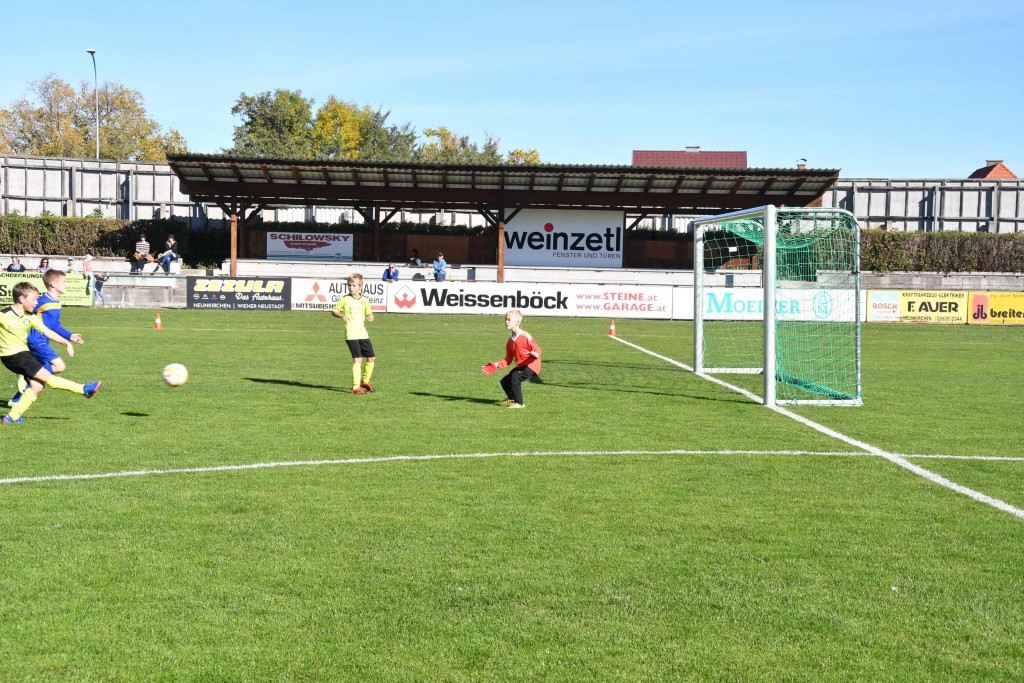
{"x":777,"y":295}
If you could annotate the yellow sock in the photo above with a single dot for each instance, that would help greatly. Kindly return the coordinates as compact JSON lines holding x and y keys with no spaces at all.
{"x":367,"y":371}
{"x":66,"y":385}
{"x":355,"y":375}
{"x":22,"y":384}
{"x":23,"y":404}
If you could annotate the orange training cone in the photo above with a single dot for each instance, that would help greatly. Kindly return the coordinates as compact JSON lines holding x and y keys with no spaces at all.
{"x":157,"y":325}
{"x":611,"y":330}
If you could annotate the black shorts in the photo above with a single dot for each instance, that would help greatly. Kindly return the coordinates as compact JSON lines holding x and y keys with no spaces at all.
{"x":361,"y":348}
{"x":22,"y":363}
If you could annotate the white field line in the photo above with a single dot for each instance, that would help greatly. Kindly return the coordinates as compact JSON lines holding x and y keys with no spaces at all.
{"x":891,"y":457}
{"x":398,"y":458}
{"x":453,"y":456}
{"x":1007,"y":458}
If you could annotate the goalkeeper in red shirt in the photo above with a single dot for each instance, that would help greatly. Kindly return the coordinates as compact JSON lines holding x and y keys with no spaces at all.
{"x":522,"y":350}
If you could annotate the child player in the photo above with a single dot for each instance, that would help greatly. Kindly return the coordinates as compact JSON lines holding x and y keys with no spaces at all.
{"x":522,"y":350}
{"x":15,"y":324}
{"x":48,"y":309}
{"x":354,"y":309}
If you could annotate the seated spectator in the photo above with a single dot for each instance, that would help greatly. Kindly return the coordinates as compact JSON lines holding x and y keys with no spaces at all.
{"x":170,"y":253}
{"x":16,"y":266}
{"x":440,"y":268}
{"x":141,"y":256}
{"x":44,"y":265}
{"x":390,"y":273}
{"x":72,"y":266}
{"x":415,"y":260}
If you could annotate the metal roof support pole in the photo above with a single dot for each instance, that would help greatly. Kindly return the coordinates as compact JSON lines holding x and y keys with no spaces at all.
{"x":375,"y":217}
{"x":234,"y":242}
{"x":501,"y":244}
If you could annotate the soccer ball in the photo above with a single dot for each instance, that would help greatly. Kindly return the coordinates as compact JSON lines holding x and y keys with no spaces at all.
{"x":175,"y":375}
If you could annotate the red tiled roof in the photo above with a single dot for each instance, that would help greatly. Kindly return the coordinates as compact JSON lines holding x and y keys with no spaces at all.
{"x":696,"y":159}
{"x":996,"y":171}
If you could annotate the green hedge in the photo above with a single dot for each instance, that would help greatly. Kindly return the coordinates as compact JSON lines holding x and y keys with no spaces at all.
{"x":107,"y":237}
{"x":883,"y":251}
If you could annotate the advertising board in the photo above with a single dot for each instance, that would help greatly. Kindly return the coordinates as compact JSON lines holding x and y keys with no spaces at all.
{"x":239,"y":293}
{"x":321,"y":294}
{"x":587,"y":301}
{"x":747,"y":303}
{"x":309,"y":246}
{"x":996,"y":308}
{"x":567,"y":239}
{"x":78,"y":292}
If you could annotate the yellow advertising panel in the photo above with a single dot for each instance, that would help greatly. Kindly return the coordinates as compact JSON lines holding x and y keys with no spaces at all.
{"x":997,"y":308}
{"x":78,"y":292}
{"x":933,"y":307}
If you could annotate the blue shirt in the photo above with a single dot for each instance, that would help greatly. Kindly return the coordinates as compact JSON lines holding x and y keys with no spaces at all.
{"x":440,"y":265}
{"x":389,"y":276}
{"x":47,"y":308}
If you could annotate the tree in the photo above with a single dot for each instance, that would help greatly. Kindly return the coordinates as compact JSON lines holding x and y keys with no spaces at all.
{"x":447,"y":147}
{"x":344,"y":130}
{"x":381,"y":142}
{"x":59,"y":121}
{"x":523,"y":157}
{"x":274,"y":124}
{"x":281,"y":124}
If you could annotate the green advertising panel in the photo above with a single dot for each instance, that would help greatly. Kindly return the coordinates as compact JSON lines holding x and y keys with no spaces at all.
{"x":78,"y":292}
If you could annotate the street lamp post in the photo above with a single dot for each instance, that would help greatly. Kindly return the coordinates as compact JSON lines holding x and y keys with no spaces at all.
{"x":96,"y":89}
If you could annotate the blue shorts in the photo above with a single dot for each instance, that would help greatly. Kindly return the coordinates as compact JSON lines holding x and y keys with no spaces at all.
{"x":44,"y":352}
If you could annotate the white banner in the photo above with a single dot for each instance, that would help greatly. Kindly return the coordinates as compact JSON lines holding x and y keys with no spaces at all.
{"x":573,"y":239}
{"x":884,"y":306}
{"x":585,"y":301}
{"x":747,"y":303}
{"x":309,"y":246}
{"x":320,"y":294}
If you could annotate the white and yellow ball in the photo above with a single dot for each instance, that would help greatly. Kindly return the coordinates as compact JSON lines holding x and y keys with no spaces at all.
{"x":175,"y":374}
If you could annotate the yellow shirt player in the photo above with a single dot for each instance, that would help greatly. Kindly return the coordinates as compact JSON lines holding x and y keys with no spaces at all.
{"x":15,"y":323}
{"x":355,"y":310}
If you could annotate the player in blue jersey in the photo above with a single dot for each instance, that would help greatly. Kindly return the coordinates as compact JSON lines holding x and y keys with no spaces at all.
{"x":48,"y":308}
{"x":15,"y":323}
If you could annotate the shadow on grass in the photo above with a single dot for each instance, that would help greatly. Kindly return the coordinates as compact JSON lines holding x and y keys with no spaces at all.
{"x":134,"y":414}
{"x":626,"y":389}
{"x":447,"y":397}
{"x":605,"y":364}
{"x":293,"y":383}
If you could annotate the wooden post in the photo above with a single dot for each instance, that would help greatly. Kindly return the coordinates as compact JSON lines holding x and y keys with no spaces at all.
{"x":501,"y":251}
{"x":501,"y":244}
{"x":234,"y":243}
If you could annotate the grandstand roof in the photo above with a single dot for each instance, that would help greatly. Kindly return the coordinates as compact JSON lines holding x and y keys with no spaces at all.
{"x":230,"y":180}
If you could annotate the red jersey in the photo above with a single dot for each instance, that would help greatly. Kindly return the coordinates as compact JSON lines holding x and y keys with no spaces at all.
{"x":520,"y":349}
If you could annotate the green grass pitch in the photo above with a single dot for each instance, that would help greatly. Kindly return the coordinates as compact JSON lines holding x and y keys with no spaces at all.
{"x":729,"y":543}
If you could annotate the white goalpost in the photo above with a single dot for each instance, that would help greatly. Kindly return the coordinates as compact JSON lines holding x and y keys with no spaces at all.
{"x":777,"y":294}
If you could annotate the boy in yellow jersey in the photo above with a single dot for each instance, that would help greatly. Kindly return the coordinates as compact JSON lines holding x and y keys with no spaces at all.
{"x":15,"y":324}
{"x":354,"y":309}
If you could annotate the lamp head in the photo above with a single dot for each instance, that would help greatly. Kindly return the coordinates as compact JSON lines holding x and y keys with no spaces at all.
{"x":91,"y":51}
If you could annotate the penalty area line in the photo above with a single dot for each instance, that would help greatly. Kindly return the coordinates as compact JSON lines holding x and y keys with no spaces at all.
{"x":396,"y":458}
{"x":894,"y":458}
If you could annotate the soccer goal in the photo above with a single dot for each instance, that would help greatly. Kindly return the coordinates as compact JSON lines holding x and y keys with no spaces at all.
{"x":777,"y":293}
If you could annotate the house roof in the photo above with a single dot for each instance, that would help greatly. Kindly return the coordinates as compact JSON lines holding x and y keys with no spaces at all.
{"x":994,"y":170}
{"x":230,"y":180}
{"x":691,"y":158}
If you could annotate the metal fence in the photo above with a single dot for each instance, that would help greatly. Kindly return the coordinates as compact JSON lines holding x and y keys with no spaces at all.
{"x":950,"y":205}
{"x":132,"y":190}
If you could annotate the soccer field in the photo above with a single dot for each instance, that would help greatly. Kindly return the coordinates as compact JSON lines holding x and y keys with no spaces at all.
{"x":634,"y":522}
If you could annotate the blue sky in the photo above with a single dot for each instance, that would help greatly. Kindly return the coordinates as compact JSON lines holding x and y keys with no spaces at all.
{"x":877,"y":89}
